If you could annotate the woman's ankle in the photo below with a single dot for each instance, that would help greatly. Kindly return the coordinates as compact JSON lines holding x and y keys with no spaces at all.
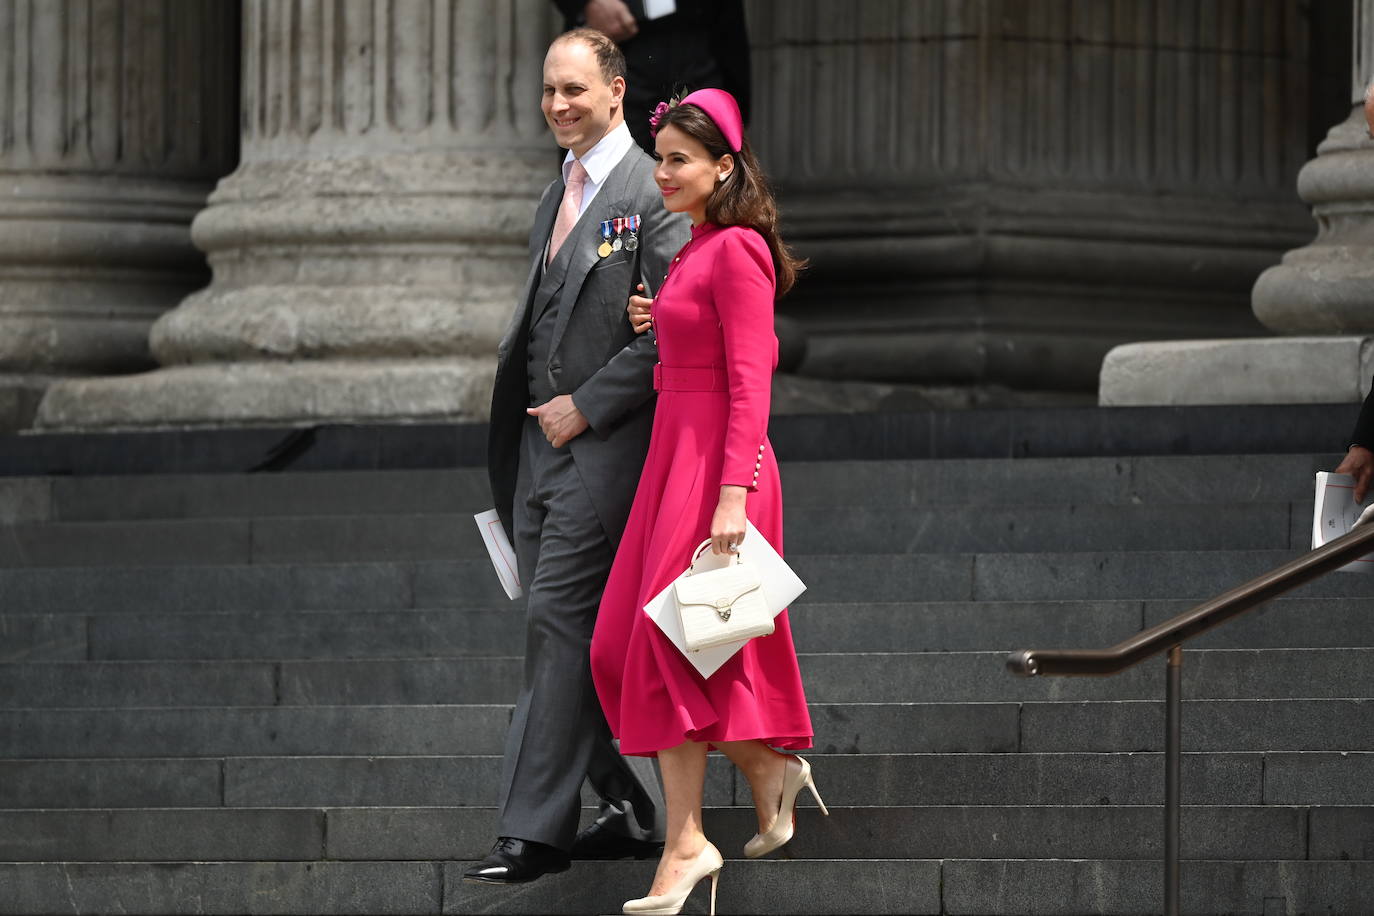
{"x":685,"y":847}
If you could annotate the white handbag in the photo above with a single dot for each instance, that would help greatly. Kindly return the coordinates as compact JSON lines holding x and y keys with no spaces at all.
{"x":719,"y":606}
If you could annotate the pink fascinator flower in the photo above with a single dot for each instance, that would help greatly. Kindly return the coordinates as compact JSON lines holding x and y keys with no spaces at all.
{"x":660,"y":112}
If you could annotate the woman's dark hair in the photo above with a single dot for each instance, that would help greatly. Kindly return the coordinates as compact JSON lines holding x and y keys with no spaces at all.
{"x":742,"y":199}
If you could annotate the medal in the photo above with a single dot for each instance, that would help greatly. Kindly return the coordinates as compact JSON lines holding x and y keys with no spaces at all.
{"x":605,"y":248}
{"x":632,"y":225}
{"x":619,"y":225}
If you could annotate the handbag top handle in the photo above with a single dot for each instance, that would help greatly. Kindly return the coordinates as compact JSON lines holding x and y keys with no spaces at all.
{"x":696,"y":555}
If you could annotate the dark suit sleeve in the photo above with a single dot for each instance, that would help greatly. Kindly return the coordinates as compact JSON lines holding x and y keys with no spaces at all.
{"x":1364,"y":427}
{"x":572,"y":12}
{"x":626,"y":381}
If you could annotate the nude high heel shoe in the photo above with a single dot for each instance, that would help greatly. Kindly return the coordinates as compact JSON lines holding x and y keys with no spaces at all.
{"x":669,"y":903}
{"x":796,"y":775}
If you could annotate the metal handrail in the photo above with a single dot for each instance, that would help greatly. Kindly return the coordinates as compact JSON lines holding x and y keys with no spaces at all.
{"x":1162,"y":637}
{"x":1169,"y":637}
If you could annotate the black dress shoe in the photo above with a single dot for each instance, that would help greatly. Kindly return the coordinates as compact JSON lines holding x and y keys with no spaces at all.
{"x":513,"y":861}
{"x":598,"y":842}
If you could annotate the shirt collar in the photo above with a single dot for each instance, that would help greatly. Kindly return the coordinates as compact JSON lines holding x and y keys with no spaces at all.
{"x":600,"y":159}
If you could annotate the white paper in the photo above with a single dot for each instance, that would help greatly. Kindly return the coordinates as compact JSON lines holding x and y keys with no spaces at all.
{"x":780,"y":588}
{"x":501,"y":553}
{"x":657,"y":9}
{"x":1335,"y":513}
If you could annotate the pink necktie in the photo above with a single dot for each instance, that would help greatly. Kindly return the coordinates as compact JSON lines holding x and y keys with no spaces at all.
{"x":569,"y":209}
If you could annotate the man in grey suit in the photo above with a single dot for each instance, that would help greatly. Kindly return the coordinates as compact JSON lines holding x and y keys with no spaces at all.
{"x":570,"y":418}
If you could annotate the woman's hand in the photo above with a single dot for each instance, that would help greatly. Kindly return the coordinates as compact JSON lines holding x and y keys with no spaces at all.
{"x":639,"y":312}
{"x":727,"y":525}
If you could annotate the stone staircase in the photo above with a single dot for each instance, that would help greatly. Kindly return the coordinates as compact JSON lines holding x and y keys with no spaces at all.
{"x":287,"y":693}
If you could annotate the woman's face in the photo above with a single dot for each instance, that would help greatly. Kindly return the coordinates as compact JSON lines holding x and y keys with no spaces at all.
{"x":686,"y":172}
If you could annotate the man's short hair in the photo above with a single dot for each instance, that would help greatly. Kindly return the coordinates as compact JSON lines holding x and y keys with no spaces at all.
{"x":608,"y":56}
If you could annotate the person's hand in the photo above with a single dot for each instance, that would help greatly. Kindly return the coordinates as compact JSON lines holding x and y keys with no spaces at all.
{"x":1358,"y":463}
{"x":560,"y":420}
{"x":727,"y":525}
{"x":638,"y":311}
{"x":612,"y":18}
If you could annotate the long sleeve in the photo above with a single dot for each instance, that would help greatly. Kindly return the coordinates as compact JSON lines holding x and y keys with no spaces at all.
{"x":1364,"y":427}
{"x":742,"y":286}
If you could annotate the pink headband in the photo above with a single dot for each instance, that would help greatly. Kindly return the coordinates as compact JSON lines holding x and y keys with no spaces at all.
{"x":721,"y":107}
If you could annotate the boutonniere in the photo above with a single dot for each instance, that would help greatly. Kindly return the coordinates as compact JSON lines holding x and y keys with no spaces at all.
{"x":618,"y":233}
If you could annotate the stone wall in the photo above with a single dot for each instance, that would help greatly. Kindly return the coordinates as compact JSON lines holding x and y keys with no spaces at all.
{"x":115,"y":119}
{"x":996,"y":192}
{"x":992,"y":192}
{"x":369,"y":247}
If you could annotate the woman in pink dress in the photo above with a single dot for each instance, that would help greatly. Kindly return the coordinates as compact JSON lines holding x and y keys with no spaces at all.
{"x":709,"y":468}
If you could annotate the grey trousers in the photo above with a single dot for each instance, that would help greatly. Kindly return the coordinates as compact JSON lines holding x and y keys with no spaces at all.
{"x":558,"y":734}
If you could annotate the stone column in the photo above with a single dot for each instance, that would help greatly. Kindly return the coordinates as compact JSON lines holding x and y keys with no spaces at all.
{"x":368,"y":250}
{"x":994,"y":193}
{"x":1327,"y":287}
{"x":115,"y":119}
{"x":1320,"y":298}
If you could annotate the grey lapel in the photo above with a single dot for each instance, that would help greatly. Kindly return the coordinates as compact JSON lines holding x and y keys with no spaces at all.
{"x":544,"y":217}
{"x":580,"y":247}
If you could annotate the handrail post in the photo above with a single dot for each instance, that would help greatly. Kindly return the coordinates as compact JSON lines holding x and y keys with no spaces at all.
{"x":1173,"y":740}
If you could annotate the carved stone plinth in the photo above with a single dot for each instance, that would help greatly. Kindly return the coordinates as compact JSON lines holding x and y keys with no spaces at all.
{"x":115,"y":119}
{"x":369,"y":248}
{"x":1323,"y":289}
{"x":1328,"y":286}
{"x":996,"y":193}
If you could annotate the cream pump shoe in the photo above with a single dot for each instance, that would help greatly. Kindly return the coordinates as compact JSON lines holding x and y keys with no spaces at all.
{"x":669,"y":903}
{"x":796,"y":775}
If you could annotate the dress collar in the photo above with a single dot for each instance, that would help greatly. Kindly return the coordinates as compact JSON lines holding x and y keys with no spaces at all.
{"x":703,"y":229}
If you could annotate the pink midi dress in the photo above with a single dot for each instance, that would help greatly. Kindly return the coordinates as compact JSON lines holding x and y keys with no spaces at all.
{"x":713,"y":318}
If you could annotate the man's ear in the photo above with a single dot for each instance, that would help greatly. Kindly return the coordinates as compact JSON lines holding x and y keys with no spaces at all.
{"x":617,"y":91}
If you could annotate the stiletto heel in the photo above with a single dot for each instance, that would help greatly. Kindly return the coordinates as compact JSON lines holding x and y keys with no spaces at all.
{"x":797,"y":773}
{"x":708,"y":863}
{"x":816,"y":795}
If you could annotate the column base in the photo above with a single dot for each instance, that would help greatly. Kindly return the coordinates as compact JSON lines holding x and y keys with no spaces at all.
{"x":1280,"y":370}
{"x":274,"y":393}
{"x":19,"y":397}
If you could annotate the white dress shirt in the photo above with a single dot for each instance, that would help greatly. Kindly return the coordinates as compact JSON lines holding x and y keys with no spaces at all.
{"x":599,"y":160}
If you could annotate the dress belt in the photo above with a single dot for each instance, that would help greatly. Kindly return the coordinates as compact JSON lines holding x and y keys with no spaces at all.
{"x":689,"y":378}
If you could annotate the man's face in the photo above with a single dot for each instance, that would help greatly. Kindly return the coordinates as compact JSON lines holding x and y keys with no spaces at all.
{"x":580,"y":106}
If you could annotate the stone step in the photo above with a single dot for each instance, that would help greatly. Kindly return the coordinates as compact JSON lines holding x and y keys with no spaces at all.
{"x":255,"y":730}
{"x":430,"y":730}
{"x":1060,"y":887}
{"x":949,"y":677}
{"x":885,"y":627}
{"x":831,"y":578}
{"x":912,"y":832}
{"x":1211,"y":778}
{"x":848,"y":530}
{"x":982,"y":677}
{"x":993,"y":887}
{"x":1208,"y":725}
{"x":983,"y":482}
{"x":1162,"y":480}
{"x":1105,"y":575}
{"x":321,"y":493}
{"x":850,"y":728}
{"x":352,"y":586}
